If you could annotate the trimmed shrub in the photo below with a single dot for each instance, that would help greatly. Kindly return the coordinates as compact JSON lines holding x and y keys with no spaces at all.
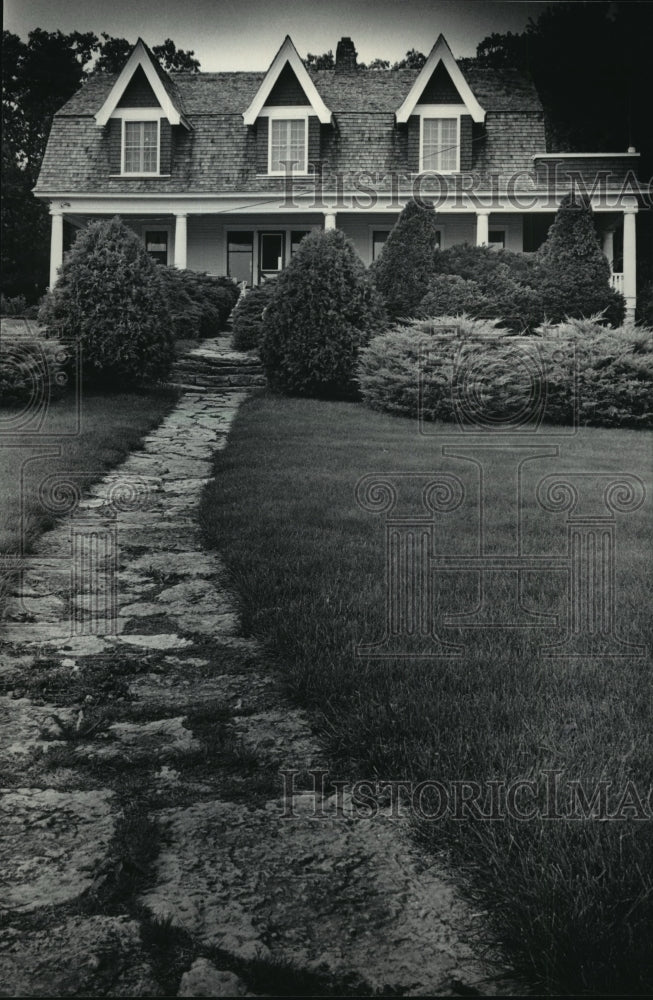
{"x":199,"y":304}
{"x":451,"y":295}
{"x":508,"y":281}
{"x":248,"y":316}
{"x":324,"y":308}
{"x":405,"y":266}
{"x":31,"y":370}
{"x":575,"y":273}
{"x":581,"y":370}
{"x":111,"y":300}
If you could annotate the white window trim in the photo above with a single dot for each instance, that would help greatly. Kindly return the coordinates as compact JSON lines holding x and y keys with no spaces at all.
{"x":439,"y":111}
{"x":287,"y":114}
{"x":136,"y":115}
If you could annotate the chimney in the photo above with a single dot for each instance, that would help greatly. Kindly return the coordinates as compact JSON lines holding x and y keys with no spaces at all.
{"x":346,"y":56}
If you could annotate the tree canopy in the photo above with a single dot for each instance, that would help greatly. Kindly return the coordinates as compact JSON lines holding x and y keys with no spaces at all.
{"x":38,"y":77}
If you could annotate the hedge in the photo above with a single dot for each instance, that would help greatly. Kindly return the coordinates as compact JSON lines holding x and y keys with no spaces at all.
{"x":477,"y":373}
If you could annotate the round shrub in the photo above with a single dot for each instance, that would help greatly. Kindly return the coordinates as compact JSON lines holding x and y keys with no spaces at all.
{"x":508,"y":281}
{"x":110,"y":299}
{"x":248,"y":316}
{"x":575,"y":273}
{"x":405,"y":266}
{"x":323,"y":310}
{"x":451,"y":295}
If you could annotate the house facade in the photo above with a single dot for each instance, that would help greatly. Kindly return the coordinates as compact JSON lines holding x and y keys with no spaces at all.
{"x":226,"y":172}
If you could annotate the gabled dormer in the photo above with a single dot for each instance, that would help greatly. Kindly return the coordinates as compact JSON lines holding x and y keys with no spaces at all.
{"x":140,"y":114}
{"x":286,"y":114}
{"x":439,"y":112}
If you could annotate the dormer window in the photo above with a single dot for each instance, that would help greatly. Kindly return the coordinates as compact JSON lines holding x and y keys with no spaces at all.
{"x":439,"y":137}
{"x":440,"y":144}
{"x":140,"y":145}
{"x":288,"y":142}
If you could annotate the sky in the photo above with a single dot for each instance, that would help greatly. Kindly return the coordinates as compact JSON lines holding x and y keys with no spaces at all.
{"x":245,"y":34}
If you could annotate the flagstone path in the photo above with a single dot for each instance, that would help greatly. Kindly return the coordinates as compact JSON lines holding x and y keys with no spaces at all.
{"x":144,"y":849}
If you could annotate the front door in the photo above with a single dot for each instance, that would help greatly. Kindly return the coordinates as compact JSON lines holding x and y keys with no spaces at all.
{"x":271,"y":254}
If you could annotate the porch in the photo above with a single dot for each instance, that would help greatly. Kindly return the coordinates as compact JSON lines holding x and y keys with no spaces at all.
{"x":254,"y":246}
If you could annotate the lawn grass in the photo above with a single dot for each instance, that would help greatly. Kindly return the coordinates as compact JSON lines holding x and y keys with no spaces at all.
{"x":110,"y":427}
{"x":571,"y":899}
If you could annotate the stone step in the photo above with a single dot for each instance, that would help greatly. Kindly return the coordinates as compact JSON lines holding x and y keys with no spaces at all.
{"x":194,"y":387}
{"x":205,"y":369}
{"x":215,"y":378}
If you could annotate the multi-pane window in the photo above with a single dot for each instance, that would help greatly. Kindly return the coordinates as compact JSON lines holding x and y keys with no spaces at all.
{"x":287,"y":145}
{"x":141,"y":154}
{"x":440,"y":144}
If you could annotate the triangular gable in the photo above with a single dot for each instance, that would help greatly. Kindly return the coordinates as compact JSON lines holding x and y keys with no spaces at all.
{"x":287,"y":56}
{"x":140,"y":58}
{"x":138,"y":93}
{"x":287,"y":89}
{"x":440,"y":56}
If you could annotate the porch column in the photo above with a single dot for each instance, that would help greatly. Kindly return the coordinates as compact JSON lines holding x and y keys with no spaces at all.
{"x":482,"y":229}
{"x":56,"y":245}
{"x":180,"y":240}
{"x":630,"y":261}
{"x":329,"y":220}
{"x":608,"y":245}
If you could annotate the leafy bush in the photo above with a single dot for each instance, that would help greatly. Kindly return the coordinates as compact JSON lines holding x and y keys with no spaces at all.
{"x":645,"y":305}
{"x":248,"y":316}
{"x":405,"y":266}
{"x":582,"y":371}
{"x":15,"y":306}
{"x":451,"y":295}
{"x":31,"y":370}
{"x":323,"y":309}
{"x":199,"y":304}
{"x":575,"y":273}
{"x":111,"y":299}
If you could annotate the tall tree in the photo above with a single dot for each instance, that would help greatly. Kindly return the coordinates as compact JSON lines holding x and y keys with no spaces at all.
{"x":115,"y":51}
{"x":38,"y":77}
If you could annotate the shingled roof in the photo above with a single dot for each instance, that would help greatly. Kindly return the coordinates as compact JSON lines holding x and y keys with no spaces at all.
{"x":218,"y":155}
{"x":365,"y":91}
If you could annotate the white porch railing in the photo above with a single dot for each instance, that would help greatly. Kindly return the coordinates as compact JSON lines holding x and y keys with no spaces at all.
{"x":617,"y":281}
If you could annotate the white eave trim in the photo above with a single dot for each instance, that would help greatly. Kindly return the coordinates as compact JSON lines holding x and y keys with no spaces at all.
{"x":579,"y":156}
{"x":287,"y":54}
{"x":139,"y":57}
{"x":440,"y":53}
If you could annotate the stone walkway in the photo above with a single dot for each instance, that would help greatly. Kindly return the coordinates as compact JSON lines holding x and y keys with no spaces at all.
{"x":144,"y":848}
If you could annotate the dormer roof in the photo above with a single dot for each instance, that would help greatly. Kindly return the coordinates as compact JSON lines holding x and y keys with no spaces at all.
{"x":440,"y":55}
{"x":287,"y":56}
{"x":162,"y":86}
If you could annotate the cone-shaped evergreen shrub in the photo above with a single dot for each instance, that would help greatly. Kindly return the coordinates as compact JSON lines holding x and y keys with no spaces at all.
{"x":403,"y":269}
{"x":324,"y":308}
{"x":575,"y":279}
{"x":110,"y":299}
